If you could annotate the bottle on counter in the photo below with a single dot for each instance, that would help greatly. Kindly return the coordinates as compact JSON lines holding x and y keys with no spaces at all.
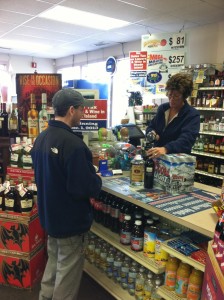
{"x":137,"y":171}
{"x":149,"y":173}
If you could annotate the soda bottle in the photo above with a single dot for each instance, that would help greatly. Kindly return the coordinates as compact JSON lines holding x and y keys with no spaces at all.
{"x":117,"y":267}
{"x":171,"y":272}
{"x":137,"y":236}
{"x":97,"y":250}
{"x":104,"y":206}
{"x":103,"y":257}
{"x":157,"y":283}
{"x":150,"y":232}
{"x":115,"y":208}
{"x":124,"y":210}
{"x":106,"y":217}
{"x":110,"y":262}
{"x":124,"y":272}
{"x":183,"y":274}
{"x":195,"y":285}
{"x":132,"y":277}
{"x":126,"y":230}
{"x":139,"y":284}
{"x":148,"y":286}
{"x":149,"y":173}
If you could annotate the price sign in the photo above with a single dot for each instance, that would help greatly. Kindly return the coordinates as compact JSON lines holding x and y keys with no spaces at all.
{"x":176,"y":59}
{"x":177,"y":40}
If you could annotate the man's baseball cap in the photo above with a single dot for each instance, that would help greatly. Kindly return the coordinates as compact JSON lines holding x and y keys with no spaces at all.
{"x":70,"y":97}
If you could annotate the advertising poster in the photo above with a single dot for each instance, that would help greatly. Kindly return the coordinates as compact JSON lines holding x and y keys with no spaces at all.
{"x":166,"y":55}
{"x":94,"y":117}
{"x":138,"y":64}
{"x":36,"y":84}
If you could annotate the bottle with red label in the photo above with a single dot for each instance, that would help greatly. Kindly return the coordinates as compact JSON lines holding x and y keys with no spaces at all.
{"x":126,"y":230}
{"x":137,"y":236}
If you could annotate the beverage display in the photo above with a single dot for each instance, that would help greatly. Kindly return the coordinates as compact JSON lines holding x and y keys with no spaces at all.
{"x":195,"y":285}
{"x":32,"y":118}
{"x":137,"y":236}
{"x":183,"y":274}
{"x":126,"y":230}
{"x":43,"y":116}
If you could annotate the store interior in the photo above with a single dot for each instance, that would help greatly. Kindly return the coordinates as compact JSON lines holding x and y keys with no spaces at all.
{"x":34,"y":42}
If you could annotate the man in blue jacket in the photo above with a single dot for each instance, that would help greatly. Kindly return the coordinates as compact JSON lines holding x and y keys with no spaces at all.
{"x":176,"y":124}
{"x":66,"y":179}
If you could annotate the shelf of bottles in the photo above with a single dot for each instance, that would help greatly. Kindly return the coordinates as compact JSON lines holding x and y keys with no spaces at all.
{"x":108,"y":284}
{"x":218,"y":133}
{"x":207,"y":154}
{"x":209,"y":88}
{"x":209,"y":174}
{"x":113,"y":239}
{"x":166,"y":294}
{"x":192,"y":262}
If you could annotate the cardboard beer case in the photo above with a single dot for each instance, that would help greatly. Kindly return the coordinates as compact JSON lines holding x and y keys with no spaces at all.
{"x":20,"y":271}
{"x":20,"y":234}
{"x":174,"y":173}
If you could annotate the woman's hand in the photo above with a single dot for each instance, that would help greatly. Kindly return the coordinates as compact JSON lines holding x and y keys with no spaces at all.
{"x":156,"y":152}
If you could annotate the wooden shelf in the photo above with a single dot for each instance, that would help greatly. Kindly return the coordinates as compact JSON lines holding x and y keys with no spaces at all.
{"x":168,"y":295}
{"x":186,"y":259}
{"x":209,"y":108}
{"x":108,"y":284}
{"x":211,"y":88}
{"x":216,"y":133}
{"x":207,"y":154}
{"x":113,"y":239}
{"x":209,"y":174}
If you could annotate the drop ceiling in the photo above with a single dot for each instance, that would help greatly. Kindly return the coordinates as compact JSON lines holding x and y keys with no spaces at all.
{"x":20,"y":23}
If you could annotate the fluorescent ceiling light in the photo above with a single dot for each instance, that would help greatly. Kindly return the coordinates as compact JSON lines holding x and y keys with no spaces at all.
{"x":23,"y":45}
{"x":82,"y":18}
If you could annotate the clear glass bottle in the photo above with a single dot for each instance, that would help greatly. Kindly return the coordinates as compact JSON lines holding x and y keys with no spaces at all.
{"x":132,"y":277}
{"x":43,"y":116}
{"x":148,"y":286}
{"x":32,"y":118}
{"x":139,"y":283}
{"x":124,"y":272}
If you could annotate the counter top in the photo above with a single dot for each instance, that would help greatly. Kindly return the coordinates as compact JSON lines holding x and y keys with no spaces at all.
{"x":203,"y":221}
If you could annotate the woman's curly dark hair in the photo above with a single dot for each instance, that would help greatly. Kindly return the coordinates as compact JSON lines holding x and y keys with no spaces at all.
{"x":182,"y":83}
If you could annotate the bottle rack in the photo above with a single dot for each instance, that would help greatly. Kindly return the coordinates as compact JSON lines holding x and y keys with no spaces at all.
{"x":113,"y":239}
{"x":108,"y":284}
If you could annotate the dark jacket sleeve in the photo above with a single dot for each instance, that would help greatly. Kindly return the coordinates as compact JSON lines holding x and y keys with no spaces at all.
{"x":82,"y":181}
{"x":188,"y":134}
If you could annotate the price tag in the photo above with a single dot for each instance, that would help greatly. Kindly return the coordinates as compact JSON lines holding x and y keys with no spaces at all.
{"x":177,"y":40}
{"x":177,"y":59}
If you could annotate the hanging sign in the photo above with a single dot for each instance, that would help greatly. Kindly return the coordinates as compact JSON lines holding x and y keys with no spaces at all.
{"x":176,"y":59}
{"x":138,"y":63}
{"x":177,"y":40}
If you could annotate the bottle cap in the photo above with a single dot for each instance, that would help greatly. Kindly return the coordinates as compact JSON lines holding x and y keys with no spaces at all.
{"x":138,"y":222}
{"x":127,"y":217}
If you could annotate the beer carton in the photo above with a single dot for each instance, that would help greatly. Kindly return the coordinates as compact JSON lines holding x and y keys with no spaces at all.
{"x":174,"y":173}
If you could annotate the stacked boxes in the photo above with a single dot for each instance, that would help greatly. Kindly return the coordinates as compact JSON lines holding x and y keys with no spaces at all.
{"x":22,"y":249}
{"x":174,"y":173}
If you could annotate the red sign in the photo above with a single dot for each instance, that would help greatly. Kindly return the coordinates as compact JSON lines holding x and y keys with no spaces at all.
{"x":138,"y":63}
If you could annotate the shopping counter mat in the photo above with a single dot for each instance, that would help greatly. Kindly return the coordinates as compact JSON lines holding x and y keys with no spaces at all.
{"x":178,"y":205}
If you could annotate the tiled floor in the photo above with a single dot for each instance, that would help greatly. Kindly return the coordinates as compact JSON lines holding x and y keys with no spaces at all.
{"x":89,"y":289}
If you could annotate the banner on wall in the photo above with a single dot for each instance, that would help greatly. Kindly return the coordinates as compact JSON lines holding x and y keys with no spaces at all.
{"x":94,"y":117}
{"x":138,"y":63}
{"x":37,"y":84}
{"x":166,"y":54}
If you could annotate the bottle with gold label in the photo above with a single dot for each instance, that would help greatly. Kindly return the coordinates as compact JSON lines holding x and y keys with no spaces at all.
{"x":43,"y":116}
{"x":32,"y":118}
{"x":137,"y":171}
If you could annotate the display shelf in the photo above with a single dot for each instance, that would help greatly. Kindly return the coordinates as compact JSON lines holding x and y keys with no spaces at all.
{"x":209,"y":108}
{"x":108,"y":284}
{"x":113,"y":239}
{"x":166,"y":294}
{"x":209,"y":174}
{"x":186,"y":259}
{"x":210,"y":88}
{"x":207,"y":154}
{"x":216,"y":133}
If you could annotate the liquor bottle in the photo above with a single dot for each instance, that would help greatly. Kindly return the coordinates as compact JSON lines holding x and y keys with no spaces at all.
{"x":11,"y":197}
{"x":211,"y":145}
{"x":3,"y":120}
{"x":221,"y":125}
{"x":149,"y":173}
{"x":16,"y":154}
{"x":26,"y":158}
{"x":206,"y":145}
{"x":32,"y":118}
{"x":222,"y":147}
{"x":217,"y":146}
{"x":43,"y":116}
{"x":13,"y":121}
{"x":25,"y":198}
